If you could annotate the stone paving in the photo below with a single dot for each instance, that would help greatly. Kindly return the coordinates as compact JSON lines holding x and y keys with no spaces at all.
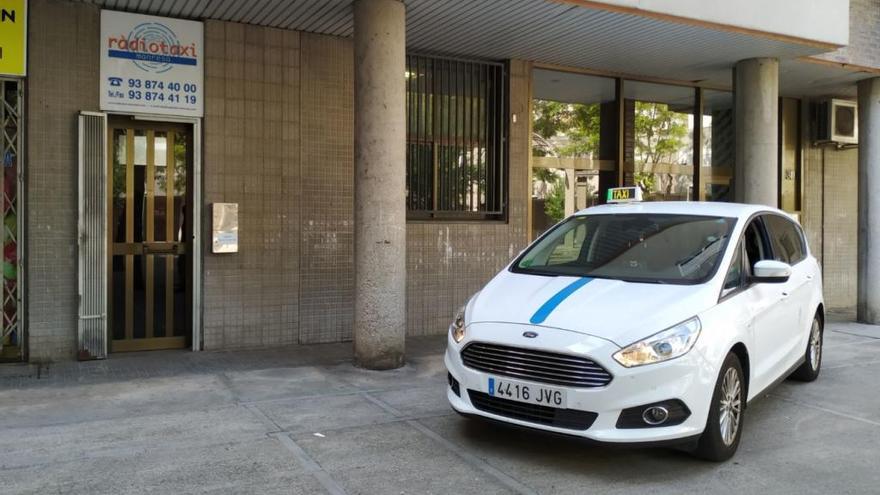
{"x":304,"y":420}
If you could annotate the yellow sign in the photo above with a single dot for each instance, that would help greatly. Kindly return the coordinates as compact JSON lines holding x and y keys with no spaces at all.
{"x":624,"y":194}
{"x":13,"y":37}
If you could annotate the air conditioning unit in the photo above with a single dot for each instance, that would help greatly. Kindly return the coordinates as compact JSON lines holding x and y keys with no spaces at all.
{"x":837,"y":121}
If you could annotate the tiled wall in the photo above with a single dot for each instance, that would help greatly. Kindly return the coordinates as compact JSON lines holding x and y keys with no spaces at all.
{"x":864,"y":41}
{"x":830,"y":220}
{"x":62,"y":80}
{"x":293,"y":280}
{"x":278,"y":135}
{"x":327,"y":190}
{"x":278,"y":140}
{"x":251,"y":157}
{"x":830,"y":217}
{"x":448,"y":262}
{"x":840,"y":228}
{"x":813,"y":182}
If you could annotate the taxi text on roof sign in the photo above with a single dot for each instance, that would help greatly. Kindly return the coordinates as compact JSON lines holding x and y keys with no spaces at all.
{"x":13,"y":37}
{"x":624,"y":194}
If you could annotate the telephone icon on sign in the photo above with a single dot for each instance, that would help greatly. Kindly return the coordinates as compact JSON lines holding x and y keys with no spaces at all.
{"x":115,"y":81}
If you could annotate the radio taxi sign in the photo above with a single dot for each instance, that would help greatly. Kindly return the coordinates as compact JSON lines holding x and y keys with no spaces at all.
{"x":13,"y":37}
{"x":151,"y":65}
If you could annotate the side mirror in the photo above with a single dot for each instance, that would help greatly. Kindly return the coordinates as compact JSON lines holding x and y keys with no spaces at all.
{"x":771,"y":272}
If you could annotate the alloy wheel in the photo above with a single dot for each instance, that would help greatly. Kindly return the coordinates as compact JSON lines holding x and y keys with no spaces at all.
{"x":815,"y":345}
{"x":731,"y":406}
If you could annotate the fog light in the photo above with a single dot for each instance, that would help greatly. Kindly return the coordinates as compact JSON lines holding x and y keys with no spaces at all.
{"x":453,"y":384}
{"x":656,"y":415}
{"x":670,"y":412}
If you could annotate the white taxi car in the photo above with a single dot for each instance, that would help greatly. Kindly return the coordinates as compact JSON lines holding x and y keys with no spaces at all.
{"x":646,"y":323}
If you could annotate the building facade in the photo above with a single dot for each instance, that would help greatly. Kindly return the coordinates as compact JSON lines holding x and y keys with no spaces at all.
{"x":351,"y":219}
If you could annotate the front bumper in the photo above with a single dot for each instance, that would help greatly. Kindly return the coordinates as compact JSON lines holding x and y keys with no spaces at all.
{"x":689,"y":378}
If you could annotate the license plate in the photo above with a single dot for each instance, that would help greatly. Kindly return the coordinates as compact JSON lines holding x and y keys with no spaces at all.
{"x":527,"y":392}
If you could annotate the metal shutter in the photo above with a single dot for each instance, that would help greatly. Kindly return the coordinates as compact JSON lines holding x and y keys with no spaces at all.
{"x":92,"y":239}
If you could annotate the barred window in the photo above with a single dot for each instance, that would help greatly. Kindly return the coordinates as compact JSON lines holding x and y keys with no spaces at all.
{"x":456,"y":138}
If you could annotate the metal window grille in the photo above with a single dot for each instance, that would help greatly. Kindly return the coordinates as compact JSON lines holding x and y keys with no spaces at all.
{"x":456,"y":138}
{"x":11,"y":329}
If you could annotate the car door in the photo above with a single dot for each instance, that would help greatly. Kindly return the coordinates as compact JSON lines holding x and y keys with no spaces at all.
{"x":772,"y":315}
{"x":789,"y":247}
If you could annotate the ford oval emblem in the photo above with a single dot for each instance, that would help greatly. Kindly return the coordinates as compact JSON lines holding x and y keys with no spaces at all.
{"x":530,"y":335}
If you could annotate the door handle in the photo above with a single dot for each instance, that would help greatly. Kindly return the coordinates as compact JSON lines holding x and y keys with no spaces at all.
{"x":161,"y":248}
{"x":785,"y":295}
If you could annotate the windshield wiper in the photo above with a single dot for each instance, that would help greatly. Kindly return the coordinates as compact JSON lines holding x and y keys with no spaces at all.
{"x":700,"y":251}
{"x":532,"y":271}
{"x":642,"y":280}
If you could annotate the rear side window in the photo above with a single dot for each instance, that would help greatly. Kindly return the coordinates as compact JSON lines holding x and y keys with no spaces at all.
{"x":788,"y":243}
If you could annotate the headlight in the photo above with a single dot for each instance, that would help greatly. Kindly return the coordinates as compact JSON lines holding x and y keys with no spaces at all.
{"x":668,"y":344}
{"x":457,"y":326}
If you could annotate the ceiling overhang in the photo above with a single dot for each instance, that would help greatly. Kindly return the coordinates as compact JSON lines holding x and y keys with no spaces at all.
{"x":562,"y":33}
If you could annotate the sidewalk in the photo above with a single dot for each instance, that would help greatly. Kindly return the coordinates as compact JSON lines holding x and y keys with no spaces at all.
{"x":304,"y":420}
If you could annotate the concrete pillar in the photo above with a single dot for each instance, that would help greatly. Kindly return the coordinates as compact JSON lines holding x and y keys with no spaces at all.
{"x":569,"y":183}
{"x":756,"y":91}
{"x":869,"y":202}
{"x":379,"y":183}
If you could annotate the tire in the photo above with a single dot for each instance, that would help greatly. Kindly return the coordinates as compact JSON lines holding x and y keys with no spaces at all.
{"x":720,"y":440}
{"x":812,"y":365}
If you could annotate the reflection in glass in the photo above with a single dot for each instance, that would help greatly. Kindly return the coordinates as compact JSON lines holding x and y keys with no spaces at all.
{"x":718,"y":147}
{"x":180,"y":157}
{"x":636,"y":247}
{"x":659,"y":140}
{"x":119,"y":181}
{"x":160,"y":184}
{"x":140,"y":296}
{"x":119,"y":229}
{"x":118,"y":298}
{"x":140,"y":186}
{"x":573,"y":145}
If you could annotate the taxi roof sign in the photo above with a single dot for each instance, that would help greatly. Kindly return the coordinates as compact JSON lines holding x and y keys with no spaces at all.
{"x":624,"y":194}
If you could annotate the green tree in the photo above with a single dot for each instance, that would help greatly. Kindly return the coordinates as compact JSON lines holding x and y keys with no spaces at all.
{"x":645,"y":180}
{"x":554,"y":203}
{"x":660,"y":134}
{"x":562,"y":130}
{"x":575,"y":125}
{"x":572,"y":130}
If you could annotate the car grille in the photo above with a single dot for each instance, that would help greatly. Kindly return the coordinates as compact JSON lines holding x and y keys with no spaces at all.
{"x":537,"y":366}
{"x":571,"y":419}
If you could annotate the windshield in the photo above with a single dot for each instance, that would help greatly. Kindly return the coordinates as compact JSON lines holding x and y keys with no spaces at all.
{"x":638,"y":247}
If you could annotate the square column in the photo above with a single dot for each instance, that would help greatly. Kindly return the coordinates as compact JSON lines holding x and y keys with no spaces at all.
{"x":868,"y":299}
{"x":380,"y":183}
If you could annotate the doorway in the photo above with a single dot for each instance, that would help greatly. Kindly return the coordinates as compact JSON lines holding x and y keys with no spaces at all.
{"x":150,"y":234}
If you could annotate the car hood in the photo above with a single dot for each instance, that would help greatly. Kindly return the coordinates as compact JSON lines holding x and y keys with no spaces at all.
{"x":618,"y":311}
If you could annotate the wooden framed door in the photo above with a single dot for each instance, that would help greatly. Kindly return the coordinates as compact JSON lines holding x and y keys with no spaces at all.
{"x":150,"y":236}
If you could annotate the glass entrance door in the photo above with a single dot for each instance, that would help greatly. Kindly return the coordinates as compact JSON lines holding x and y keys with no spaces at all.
{"x":150,"y":237}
